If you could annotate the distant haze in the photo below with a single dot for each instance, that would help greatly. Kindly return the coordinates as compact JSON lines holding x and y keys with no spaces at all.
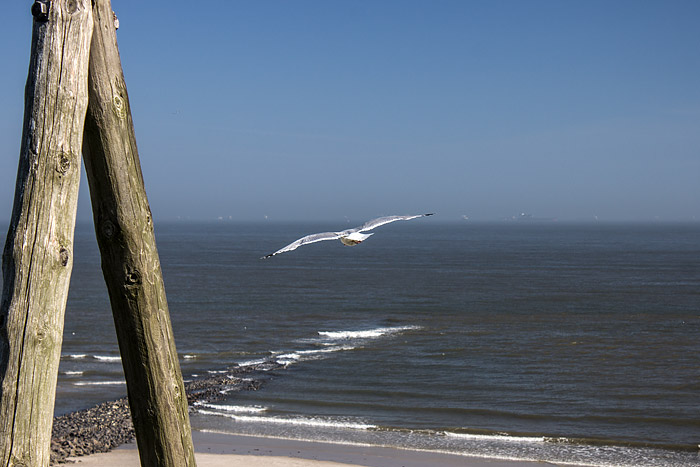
{"x":330,"y":110}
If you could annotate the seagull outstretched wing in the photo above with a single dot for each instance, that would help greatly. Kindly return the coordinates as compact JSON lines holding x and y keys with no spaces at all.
{"x":313,"y":238}
{"x":374,"y":223}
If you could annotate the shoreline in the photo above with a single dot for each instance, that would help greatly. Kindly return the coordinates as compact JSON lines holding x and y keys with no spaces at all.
{"x":214,"y":449}
{"x":104,"y":435}
{"x":106,"y":426}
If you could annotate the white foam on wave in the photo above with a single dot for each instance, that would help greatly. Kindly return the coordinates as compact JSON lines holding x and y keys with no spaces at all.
{"x":511,"y":439}
{"x":73,"y":373}
{"x":329,"y":342}
{"x":98,"y":383}
{"x":107,"y":358}
{"x":252,"y":362}
{"x":338,"y":348}
{"x":288,"y":358}
{"x":314,"y":354}
{"x":77,"y":356}
{"x":189,"y":357}
{"x":232,"y":408}
{"x":367,"y":333}
{"x":312,"y":422}
{"x":99,"y":358}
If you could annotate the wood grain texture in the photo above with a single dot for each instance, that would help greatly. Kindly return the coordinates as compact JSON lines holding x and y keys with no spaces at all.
{"x":37,"y":259}
{"x":130,"y":262}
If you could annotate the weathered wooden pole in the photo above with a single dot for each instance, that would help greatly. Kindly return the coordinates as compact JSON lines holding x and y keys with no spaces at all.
{"x":37,"y":260}
{"x":130,"y":261}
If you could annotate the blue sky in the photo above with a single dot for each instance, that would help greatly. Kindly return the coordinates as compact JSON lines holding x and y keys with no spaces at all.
{"x":327,"y":109}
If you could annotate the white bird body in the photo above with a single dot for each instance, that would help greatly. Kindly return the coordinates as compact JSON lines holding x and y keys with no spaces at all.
{"x":349,"y":237}
{"x":355,"y":238}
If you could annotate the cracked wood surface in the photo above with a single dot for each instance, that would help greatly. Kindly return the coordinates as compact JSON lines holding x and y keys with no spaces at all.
{"x":130,"y":262}
{"x":37,"y":259}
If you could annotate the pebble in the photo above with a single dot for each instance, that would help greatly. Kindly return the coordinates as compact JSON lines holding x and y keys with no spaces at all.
{"x":105,"y":426}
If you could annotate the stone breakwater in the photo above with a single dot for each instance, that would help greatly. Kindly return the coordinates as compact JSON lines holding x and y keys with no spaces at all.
{"x":97,"y":429}
{"x":108,"y":425}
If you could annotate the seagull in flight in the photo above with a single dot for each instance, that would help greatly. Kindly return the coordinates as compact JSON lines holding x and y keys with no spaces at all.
{"x":349,"y":237}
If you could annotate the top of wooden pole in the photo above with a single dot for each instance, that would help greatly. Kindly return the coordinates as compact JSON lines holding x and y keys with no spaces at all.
{"x":130,"y":262}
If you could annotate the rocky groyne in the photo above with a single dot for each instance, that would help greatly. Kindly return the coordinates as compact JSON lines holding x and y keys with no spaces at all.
{"x":108,"y":425}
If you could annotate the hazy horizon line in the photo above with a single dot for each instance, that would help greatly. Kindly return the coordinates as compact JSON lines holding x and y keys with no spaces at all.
{"x":449,"y":220}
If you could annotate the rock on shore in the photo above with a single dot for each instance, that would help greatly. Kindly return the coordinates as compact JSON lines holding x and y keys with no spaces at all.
{"x":97,"y":429}
{"x":108,"y":425}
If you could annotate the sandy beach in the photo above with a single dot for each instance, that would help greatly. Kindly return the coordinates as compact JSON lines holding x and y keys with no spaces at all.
{"x":219,"y":450}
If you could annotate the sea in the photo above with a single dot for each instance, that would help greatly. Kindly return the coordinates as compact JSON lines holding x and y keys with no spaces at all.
{"x":558,"y":342}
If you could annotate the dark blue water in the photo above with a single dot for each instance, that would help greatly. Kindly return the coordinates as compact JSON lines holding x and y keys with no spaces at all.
{"x":554,"y":342}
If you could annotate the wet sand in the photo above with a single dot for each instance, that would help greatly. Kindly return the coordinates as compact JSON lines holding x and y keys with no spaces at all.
{"x":219,"y":450}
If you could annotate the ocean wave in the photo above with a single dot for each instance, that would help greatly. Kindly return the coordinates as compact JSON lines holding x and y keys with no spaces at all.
{"x":338,"y":348}
{"x":329,"y":344}
{"x":99,"y":383}
{"x":366,"y":334}
{"x":259,"y":361}
{"x":99,"y":358}
{"x":499,"y":437}
{"x":232,"y":408}
{"x":315,"y":354}
{"x":288,"y":359}
{"x":310,"y":422}
{"x":107,"y":358}
{"x":77,"y":356}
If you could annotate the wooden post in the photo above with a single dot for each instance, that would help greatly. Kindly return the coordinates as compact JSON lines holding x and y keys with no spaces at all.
{"x":130,"y":261}
{"x":37,"y":260}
